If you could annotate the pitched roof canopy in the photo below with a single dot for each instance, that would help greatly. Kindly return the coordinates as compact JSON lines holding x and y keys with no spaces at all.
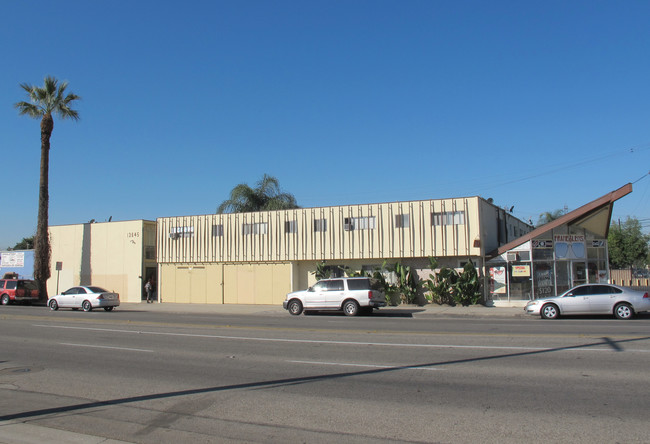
{"x":594,"y":217}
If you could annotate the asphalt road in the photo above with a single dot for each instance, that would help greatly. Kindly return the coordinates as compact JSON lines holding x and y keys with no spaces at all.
{"x":151,"y":377}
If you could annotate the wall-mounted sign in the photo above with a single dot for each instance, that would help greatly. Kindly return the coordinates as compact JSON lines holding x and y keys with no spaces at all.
{"x":598,"y":243}
{"x":569,"y":246}
{"x":569,"y":238}
{"x":13,"y":259}
{"x":521,"y":271}
{"x":542,"y":243}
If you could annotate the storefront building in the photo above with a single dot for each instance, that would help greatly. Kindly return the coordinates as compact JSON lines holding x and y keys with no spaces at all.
{"x":566,"y":252}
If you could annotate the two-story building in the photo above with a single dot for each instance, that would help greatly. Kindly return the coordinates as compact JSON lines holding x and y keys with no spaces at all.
{"x":257,"y":258}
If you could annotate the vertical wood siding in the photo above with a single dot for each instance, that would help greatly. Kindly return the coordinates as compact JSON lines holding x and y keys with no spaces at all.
{"x":222,"y":237}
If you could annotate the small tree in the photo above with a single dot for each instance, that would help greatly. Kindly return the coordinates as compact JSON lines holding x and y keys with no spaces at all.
{"x":266,"y":196}
{"x":26,"y":244}
{"x":549,"y":216}
{"x":627,"y":244}
{"x":468,"y":286}
{"x":447,"y":286}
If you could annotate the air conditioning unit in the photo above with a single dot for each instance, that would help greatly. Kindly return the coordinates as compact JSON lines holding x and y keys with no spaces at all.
{"x":512,"y":257}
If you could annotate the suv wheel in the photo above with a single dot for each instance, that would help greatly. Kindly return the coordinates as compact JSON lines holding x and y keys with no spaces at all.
{"x":5,"y":299}
{"x":295,"y":307}
{"x":350,"y":308}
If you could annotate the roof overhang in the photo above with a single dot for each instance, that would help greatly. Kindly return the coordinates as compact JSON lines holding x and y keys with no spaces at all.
{"x":594,"y":217}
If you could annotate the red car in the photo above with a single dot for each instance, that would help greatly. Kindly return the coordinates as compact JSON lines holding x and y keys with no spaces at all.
{"x":18,"y":290}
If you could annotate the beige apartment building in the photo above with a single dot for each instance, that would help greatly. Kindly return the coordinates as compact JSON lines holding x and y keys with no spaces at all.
{"x":118,"y":256}
{"x":257,"y":258}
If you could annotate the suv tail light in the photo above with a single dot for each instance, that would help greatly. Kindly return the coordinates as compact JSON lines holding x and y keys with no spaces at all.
{"x":20,"y":292}
{"x":645,"y":296}
{"x":369,"y":294}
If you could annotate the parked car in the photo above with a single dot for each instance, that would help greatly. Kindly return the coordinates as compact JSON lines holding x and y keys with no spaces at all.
{"x":592,"y":299}
{"x":18,"y":290}
{"x":352,"y":295}
{"x":85,"y":298}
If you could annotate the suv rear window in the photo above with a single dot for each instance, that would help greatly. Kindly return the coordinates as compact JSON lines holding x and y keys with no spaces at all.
{"x":27,"y":285}
{"x":359,"y":284}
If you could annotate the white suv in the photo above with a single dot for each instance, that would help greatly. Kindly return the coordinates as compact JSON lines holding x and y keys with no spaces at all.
{"x":352,"y":295}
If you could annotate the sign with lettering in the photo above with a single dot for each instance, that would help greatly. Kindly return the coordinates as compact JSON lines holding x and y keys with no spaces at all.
{"x":13,"y":259}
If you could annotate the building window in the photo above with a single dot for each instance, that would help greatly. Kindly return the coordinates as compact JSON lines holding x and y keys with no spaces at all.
{"x":448,"y":218}
{"x":291,"y":226}
{"x":178,"y":232}
{"x":150,"y":252}
{"x":320,"y":225}
{"x":255,"y":228}
{"x":217,"y":230}
{"x":402,"y":221}
{"x":359,"y":223}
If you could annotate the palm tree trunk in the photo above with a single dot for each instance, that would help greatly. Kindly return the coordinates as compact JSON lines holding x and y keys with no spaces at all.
{"x":42,"y":239}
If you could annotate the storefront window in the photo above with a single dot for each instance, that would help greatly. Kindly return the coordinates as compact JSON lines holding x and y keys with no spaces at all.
{"x":520,"y":281}
{"x":562,"y":276}
{"x":498,"y":282}
{"x":543,"y":279}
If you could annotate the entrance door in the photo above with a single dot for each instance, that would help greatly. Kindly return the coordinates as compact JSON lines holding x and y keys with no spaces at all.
{"x":578,"y":273}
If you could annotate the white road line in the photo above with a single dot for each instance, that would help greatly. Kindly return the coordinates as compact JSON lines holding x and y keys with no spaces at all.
{"x":401,"y":367}
{"x":105,"y":346}
{"x":315,"y":341}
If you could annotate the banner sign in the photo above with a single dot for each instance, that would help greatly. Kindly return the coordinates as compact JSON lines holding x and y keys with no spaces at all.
{"x":12,"y":259}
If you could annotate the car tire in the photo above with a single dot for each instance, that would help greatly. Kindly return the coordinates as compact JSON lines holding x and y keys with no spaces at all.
{"x":5,"y":299}
{"x":86,"y":306}
{"x":295,"y":307}
{"x":108,"y":308}
{"x":623,"y":311}
{"x":54,"y":306}
{"x":550,"y":311}
{"x":351,"y":308}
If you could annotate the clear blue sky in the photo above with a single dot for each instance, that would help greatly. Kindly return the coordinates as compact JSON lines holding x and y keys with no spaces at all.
{"x":539,"y":105}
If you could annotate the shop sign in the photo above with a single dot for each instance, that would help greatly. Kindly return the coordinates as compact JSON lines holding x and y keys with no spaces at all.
{"x":521,"y":271}
{"x":542,"y":243}
{"x":598,"y":243}
{"x":569,"y":238}
{"x":569,"y":246}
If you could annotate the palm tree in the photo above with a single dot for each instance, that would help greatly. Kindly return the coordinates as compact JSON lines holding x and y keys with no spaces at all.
{"x":549,"y":216}
{"x":264,"y":197}
{"x":43,"y":102}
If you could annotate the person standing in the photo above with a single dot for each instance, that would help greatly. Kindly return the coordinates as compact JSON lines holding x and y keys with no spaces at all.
{"x":148,"y":287}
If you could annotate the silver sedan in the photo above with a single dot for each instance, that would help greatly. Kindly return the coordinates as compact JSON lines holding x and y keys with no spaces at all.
{"x":85,"y":298}
{"x":592,"y":299}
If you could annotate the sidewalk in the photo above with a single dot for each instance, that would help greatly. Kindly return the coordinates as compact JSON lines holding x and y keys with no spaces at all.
{"x":430,"y":310}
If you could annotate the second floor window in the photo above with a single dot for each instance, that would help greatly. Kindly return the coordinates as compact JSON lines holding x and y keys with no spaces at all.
{"x":359,"y":223}
{"x":320,"y":225}
{"x":217,"y":230}
{"x":402,"y":221}
{"x":448,"y":218}
{"x":291,"y":226}
{"x":255,"y":228}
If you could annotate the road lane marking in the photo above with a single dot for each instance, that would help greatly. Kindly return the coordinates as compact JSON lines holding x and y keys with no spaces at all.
{"x":317,"y":341}
{"x":345,"y":364}
{"x":106,"y":346}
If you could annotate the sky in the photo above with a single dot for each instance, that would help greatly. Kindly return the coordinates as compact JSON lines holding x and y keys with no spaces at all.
{"x":539,"y":105}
